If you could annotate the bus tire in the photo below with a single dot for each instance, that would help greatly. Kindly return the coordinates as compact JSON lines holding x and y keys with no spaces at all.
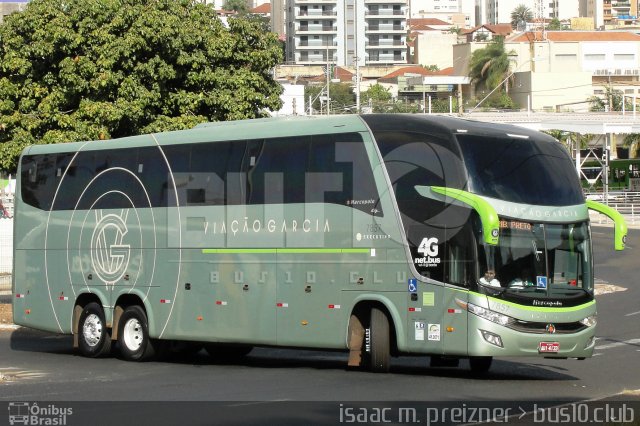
{"x":133,"y":335}
{"x":379,"y":341}
{"x":480,"y":364}
{"x":94,"y":338}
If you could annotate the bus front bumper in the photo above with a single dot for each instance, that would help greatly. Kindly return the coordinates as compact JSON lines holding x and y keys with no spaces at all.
{"x":490,"y":339}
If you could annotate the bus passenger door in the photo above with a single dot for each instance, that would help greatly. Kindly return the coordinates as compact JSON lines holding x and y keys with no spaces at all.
{"x":459,"y":273}
{"x":455,"y":330}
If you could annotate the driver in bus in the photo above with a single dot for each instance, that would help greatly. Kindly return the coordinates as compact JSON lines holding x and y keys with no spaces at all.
{"x":522,"y":282}
{"x":490,"y":279}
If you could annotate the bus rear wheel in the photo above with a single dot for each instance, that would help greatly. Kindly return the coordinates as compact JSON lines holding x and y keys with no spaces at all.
{"x":94,"y":339}
{"x":379,"y":354}
{"x":480,"y":364}
{"x":133,"y":335}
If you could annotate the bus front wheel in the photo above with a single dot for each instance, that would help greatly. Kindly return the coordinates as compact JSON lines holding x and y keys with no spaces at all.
{"x":94,"y":339}
{"x":378,"y":342}
{"x":133,"y":335}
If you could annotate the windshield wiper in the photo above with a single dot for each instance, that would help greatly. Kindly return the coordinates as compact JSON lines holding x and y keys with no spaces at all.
{"x":536,"y":251}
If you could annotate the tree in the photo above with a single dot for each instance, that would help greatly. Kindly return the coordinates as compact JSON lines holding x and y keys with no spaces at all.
{"x":378,"y":96}
{"x":612,"y":101}
{"x":342,"y":97}
{"x":403,"y":107}
{"x":100,"y":69}
{"x":239,"y":6}
{"x":569,"y":139}
{"x":490,"y":66}
{"x":520,"y":16}
{"x":555,"y":25}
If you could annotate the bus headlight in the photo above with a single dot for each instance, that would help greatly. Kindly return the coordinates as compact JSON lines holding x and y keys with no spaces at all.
{"x":590,"y":321}
{"x":489,"y":315}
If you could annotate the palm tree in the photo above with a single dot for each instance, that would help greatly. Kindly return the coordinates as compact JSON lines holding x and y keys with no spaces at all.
{"x":520,"y":16}
{"x":239,"y":6}
{"x":490,"y":66}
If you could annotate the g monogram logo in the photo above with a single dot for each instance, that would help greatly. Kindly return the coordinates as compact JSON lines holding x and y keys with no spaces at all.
{"x":109,"y":256}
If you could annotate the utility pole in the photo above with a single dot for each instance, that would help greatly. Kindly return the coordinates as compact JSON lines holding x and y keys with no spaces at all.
{"x":328,"y":83}
{"x":357,"y":85}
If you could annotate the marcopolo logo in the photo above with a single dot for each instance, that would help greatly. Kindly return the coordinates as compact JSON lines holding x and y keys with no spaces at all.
{"x":109,"y":255}
{"x":26,"y":413}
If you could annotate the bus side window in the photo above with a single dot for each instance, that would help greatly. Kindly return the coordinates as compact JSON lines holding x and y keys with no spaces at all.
{"x":151,"y":169}
{"x":114,"y":184}
{"x":236,"y":178}
{"x":340,"y":173}
{"x":277,"y":174}
{"x":64,"y":170}
{"x":38,"y":180}
{"x":207,"y":173}
{"x":79,"y":173}
{"x":121,"y":175}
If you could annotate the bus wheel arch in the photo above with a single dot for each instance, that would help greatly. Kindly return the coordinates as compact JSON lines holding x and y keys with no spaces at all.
{"x":372,"y":336}
{"x":121,"y":304}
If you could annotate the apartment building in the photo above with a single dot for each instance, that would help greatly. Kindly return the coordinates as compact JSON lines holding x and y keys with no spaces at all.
{"x":499,"y":11}
{"x":565,"y":68}
{"x":343,"y":32}
{"x":278,"y":18}
{"x":460,"y":13}
{"x":610,"y":14}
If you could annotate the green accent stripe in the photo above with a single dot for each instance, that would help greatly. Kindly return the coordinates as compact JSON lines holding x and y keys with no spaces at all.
{"x":287,"y":251}
{"x":543,"y":308}
{"x":620,"y":234}
{"x":488,"y":215}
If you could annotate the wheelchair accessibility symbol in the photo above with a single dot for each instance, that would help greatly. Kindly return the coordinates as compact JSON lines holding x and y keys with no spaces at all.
{"x":541,"y":281}
{"x":413,"y":285}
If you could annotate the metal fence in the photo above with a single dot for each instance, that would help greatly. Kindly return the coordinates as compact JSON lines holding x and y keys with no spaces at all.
{"x":627,"y":203}
{"x":6,"y":254}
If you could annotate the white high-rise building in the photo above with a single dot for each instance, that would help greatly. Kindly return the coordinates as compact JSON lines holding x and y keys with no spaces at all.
{"x":443,"y":10}
{"x":371,"y":32}
{"x":437,"y":6}
{"x":499,"y":11}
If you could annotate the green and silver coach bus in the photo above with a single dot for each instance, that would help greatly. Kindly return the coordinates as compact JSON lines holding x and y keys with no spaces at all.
{"x":379,"y":235}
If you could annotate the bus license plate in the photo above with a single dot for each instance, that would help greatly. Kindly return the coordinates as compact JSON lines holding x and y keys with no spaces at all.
{"x":549,"y":347}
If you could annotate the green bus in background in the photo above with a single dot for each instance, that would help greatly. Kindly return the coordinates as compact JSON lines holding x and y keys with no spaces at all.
{"x":379,"y":235}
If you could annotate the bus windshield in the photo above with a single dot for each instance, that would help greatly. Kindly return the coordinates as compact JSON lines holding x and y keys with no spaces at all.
{"x":538,"y":261}
{"x":527,"y":171}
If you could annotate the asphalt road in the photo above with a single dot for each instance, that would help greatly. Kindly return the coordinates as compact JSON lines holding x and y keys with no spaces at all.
{"x":37,"y":366}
